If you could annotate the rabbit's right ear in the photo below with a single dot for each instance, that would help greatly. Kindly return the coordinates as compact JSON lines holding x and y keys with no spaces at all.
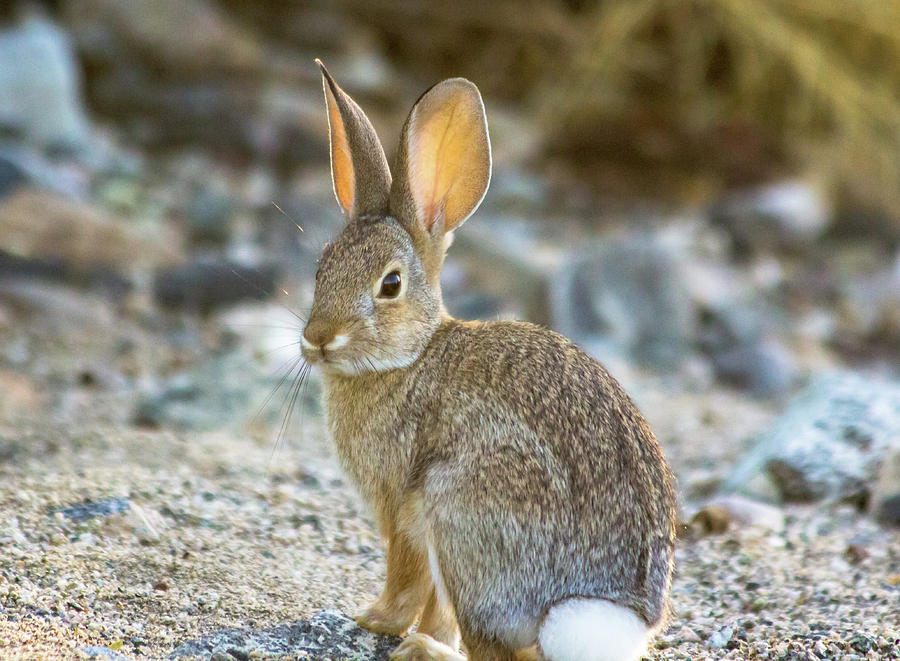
{"x":444,"y":162}
{"x":359,"y":168}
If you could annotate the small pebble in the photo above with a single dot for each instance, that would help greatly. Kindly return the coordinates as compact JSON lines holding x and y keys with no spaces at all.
{"x":720,"y":637}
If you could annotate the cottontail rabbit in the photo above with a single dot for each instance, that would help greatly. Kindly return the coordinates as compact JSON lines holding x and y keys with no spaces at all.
{"x":524,"y":501}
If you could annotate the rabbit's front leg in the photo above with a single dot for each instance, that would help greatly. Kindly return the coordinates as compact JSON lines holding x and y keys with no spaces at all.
{"x":421,"y":647}
{"x":439,"y":622}
{"x":405,"y":592}
{"x":436,"y":637}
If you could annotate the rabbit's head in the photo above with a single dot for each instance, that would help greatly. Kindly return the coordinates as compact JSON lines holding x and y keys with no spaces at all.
{"x":378,"y":299}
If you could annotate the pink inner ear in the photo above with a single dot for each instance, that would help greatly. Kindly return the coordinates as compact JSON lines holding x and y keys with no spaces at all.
{"x":448,"y":154}
{"x":342,"y":173}
{"x":424,"y":171}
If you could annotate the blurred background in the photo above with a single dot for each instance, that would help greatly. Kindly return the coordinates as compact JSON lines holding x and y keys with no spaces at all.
{"x":704,"y":194}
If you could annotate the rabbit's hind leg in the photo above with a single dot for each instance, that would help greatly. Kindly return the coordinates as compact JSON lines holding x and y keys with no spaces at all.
{"x":419,"y":647}
{"x":405,"y":592}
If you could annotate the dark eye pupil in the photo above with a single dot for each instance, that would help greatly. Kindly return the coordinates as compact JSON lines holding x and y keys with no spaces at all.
{"x":390,"y":285}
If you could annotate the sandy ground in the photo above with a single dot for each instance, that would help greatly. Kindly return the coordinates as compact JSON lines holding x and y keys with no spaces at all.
{"x":138,"y":540}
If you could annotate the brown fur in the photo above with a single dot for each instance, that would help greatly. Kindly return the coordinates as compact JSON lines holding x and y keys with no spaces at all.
{"x":501,"y":448}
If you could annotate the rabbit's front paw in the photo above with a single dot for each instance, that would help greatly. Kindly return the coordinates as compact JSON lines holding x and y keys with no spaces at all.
{"x":379,"y":618}
{"x":420,"y":647}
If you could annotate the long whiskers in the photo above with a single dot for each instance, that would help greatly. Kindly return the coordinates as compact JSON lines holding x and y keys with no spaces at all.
{"x":268,"y":294}
{"x":291,"y":365}
{"x":291,"y":403}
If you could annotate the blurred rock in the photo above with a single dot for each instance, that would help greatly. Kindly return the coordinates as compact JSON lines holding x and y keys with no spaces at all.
{"x":686,"y":635}
{"x":69,"y":178}
{"x":218,"y":393}
{"x":193,"y":400}
{"x":855,"y":553}
{"x":710,"y":520}
{"x":750,"y":514}
{"x":765,"y":368}
{"x":162,"y":114}
{"x":269,"y":331}
{"x":123,"y":195}
{"x":90,"y":509}
{"x":720,"y":637}
{"x":885,"y":502}
{"x":18,"y":394}
{"x":175,"y":74}
{"x":206,"y":283}
{"x":869,"y":307}
{"x":787,"y":215}
{"x":11,"y":177}
{"x":503,"y":259}
{"x":627,"y":291}
{"x":145,"y":524}
{"x":174,"y":35}
{"x":740,"y":337}
{"x":517,"y":192}
{"x":208,"y":215}
{"x":102,"y":653}
{"x":37,"y":225}
{"x":475,"y":306}
{"x":327,"y":635}
{"x":40,"y":85}
{"x":829,"y":442}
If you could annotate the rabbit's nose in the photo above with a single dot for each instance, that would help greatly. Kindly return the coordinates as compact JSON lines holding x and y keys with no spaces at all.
{"x":318,"y":333}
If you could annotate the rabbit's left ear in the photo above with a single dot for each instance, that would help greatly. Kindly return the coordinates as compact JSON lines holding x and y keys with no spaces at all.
{"x":444,"y":161}
{"x":359,"y":168}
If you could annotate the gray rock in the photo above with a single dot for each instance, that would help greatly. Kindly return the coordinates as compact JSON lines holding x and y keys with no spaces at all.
{"x":503,"y":258}
{"x":749,"y":513}
{"x":103,"y":653}
{"x":11,"y":176}
{"x":829,"y":442}
{"x":90,"y":509}
{"x":720,"y":637}
{"x":869,"y":306}
{"x":886,"y":495}
{"x":71,"y":179}
{"x":627,"y":291}
{"x":220,"y":392}
{"x":208,"y":214}
{"x":740,"y":337}
{"x":40,"y":86}
{"x":790,"y":214}
{"x":515,"y":191}
{"x":766,"y":367}
{"x":210,"y":282}
{"x":327,"y":635}
{"x":179,"y":37}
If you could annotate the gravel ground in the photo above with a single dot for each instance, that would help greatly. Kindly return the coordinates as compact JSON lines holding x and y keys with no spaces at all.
{"x":125,"y":543}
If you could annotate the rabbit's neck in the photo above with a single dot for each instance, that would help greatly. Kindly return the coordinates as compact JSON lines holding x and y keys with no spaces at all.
{"x":369,"y":420}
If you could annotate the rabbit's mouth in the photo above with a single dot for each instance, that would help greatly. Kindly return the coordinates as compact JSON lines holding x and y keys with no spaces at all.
{"x":323,"y":354}
{"x":348,"y":363}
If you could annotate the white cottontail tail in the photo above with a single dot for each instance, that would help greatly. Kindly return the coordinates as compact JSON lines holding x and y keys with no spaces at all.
{"x":525,"y":504}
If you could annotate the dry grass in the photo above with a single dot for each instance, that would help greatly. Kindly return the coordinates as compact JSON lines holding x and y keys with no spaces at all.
{"x":728,"y":88}
{"x":708,"y":92}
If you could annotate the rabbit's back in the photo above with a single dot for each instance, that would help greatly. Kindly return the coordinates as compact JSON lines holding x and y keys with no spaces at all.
{"x":538,"y":477}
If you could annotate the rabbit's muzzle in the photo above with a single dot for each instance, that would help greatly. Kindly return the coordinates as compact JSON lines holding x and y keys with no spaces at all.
{"x":319,"y":338}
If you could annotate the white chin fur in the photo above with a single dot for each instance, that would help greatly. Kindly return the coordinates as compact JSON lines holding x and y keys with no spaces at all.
{"x":592,"y":630}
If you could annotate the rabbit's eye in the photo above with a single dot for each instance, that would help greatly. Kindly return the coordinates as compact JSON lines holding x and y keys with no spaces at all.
{"x":390,"y":285}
